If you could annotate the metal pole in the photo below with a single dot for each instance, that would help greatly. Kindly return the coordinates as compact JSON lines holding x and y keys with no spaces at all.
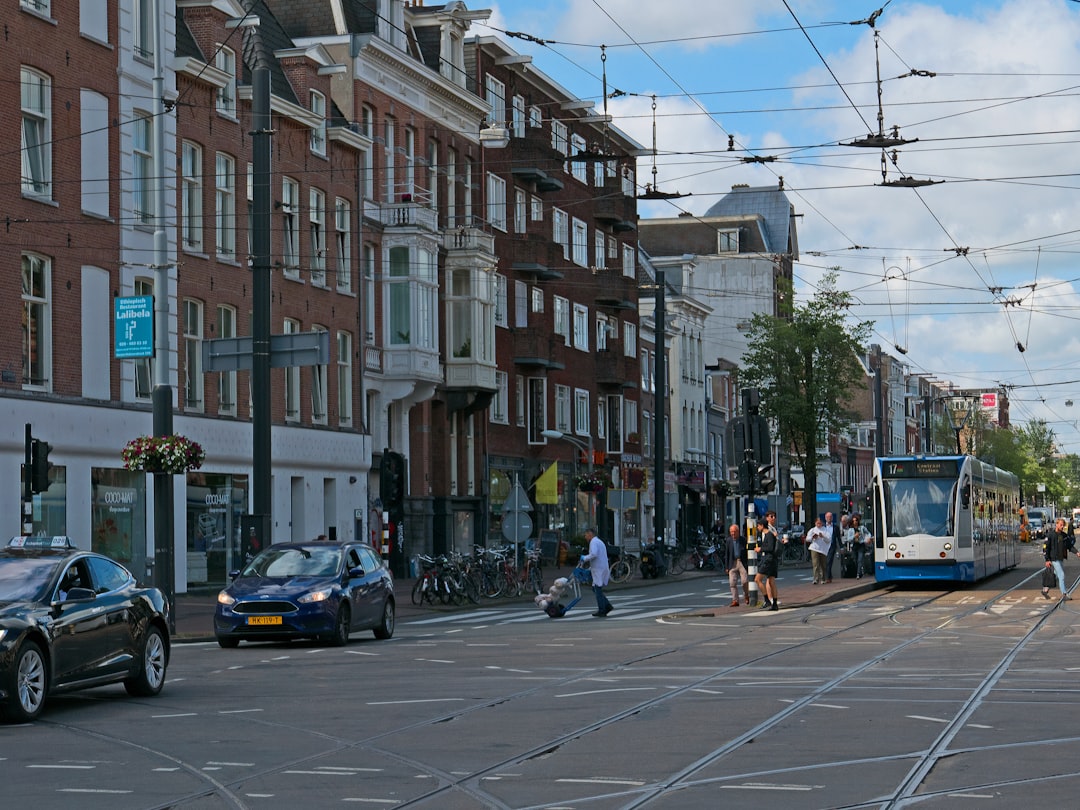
{"x":751,"y":551}
{"x":260,"y":291}
{"x":162,"y":397}
{"x":28,"y":489}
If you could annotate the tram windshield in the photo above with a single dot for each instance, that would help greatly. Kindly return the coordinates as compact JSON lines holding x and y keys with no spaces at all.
{"x":919,"y":506}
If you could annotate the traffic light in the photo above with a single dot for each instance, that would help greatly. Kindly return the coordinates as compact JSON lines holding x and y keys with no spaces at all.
{"x":39,"y":465}
{"x":392,"y":480}
{"x":746,"y":477}
{"x":763,"y":480}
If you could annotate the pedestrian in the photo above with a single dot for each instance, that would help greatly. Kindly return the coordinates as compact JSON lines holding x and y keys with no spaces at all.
{"x":598,"y":567}
{"x":861,"y":542}
{"x":835,"y":535}
{"x":1056,"y":549}
{"x":820,"y":542}
{"x":733,"y":554}
{"x":768,"y":551}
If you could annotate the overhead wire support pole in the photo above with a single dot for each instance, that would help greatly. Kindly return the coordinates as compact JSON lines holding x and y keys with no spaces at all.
{"x":162,"y":397}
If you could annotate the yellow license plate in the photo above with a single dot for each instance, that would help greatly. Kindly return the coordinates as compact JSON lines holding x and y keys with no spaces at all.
{"x":264,"y":620}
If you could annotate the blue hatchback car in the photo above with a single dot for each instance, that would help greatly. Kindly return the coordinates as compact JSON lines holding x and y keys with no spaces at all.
{"x":307,"y":590}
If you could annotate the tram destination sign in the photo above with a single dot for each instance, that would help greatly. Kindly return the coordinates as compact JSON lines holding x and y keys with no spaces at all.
{"x":920,"y":468}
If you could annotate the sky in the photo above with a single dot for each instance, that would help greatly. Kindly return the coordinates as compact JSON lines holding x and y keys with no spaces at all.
{"x":960,"y":273}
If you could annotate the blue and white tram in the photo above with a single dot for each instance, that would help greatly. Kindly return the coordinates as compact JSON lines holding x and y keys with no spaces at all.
{"x":951,"y":518}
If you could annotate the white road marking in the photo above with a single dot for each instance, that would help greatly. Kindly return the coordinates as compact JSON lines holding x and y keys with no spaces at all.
{"x":93,"y":790}
{"x":419,"y":700}
{"x":66,"y":767}
{"x":603,"y":781}
{"x":608,"y":691}
{"x":762,"y":786}
{"x":928,"y":719}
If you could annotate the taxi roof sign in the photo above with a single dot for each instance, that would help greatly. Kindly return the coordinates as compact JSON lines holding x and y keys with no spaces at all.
{"x":57,"y":541}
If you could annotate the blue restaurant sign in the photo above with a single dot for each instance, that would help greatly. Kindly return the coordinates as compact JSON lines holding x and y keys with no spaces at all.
{"x":133,"y":325}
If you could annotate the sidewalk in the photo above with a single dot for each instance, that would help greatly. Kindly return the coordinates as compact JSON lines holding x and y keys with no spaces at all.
{"x":195,"y":611}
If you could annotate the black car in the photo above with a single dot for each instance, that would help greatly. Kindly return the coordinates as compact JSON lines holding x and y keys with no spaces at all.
{"x":71,"y":619}
{"x":321,"y":590}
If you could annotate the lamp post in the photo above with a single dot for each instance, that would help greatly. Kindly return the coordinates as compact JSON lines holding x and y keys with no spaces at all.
{"x":580,"y":445}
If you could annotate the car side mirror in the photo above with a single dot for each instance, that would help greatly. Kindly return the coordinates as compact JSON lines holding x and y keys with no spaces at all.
{"x":80,"y":595}
{"x":356,"y":573}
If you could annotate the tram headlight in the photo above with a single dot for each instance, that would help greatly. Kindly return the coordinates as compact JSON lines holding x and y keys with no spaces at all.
{"x":948,"y":546}
{"x":892,"y":546}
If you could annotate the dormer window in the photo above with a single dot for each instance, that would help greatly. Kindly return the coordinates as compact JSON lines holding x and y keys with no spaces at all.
{"x":225,"y":61}
{"x":318,"y":134}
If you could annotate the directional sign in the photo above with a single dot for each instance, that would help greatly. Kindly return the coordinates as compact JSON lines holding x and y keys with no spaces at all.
{"x":517,"y":501}
{"x":517,"y":526}
{"x":133,"y":326}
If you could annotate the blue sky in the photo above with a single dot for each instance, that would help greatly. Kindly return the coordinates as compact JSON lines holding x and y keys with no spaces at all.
{"x":959,"y":272}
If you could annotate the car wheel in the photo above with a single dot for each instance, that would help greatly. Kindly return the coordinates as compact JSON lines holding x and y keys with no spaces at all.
{"x":386,"y":626}
{"x":27,"y":693}
{"x":152,"y":665}
{"x":228,"y":642}
{"x":340,"y":636}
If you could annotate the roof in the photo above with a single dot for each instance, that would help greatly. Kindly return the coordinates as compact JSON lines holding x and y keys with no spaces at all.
{"x":771,"y":203}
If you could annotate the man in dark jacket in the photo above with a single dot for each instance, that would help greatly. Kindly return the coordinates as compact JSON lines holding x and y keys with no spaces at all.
{"x":1056,"y":550}
{"x":733,"y":554}
{"x":832,"y":531}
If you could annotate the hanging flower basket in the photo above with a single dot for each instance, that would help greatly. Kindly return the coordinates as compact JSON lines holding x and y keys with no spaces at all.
{"x":589,"y":482}
{"x":163,"y":454}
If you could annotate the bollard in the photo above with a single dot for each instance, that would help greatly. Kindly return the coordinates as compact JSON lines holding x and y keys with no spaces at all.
{"x":751,"y":553}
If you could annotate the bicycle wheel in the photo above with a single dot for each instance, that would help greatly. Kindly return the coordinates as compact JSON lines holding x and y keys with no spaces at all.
{"x":469,"y":587}
{"x":491,"y":586}
{"x":680,"y":563}
{"x":512,"y":585}
{"x":418,"y":591}
{"x":536,"y":579}
{"x":621,"y":570}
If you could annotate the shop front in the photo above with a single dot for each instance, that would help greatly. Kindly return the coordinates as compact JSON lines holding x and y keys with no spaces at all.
{"x":118,"y":517}
{"x":216,"y":504}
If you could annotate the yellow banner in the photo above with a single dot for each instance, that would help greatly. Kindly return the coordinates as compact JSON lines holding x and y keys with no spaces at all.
{"x":547,"y":485}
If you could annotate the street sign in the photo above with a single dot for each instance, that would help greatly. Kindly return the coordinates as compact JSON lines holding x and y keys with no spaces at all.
{"x":296,"y":349}
{"x":517,"y":501}
{"x":133,"y":326}
{"x":622,"y":499}
{"x":517,"y":527}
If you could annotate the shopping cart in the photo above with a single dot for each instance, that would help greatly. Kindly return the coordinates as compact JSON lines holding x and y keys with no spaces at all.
{"x":564,"y":593}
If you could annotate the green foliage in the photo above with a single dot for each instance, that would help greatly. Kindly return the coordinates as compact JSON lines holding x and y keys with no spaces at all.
{"x":805,"y":362}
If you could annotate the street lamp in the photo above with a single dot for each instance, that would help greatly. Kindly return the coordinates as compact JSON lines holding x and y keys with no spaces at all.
{"x":585,"y":448}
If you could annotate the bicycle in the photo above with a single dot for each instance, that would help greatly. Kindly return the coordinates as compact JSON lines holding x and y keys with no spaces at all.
{"x":532,"y":576}
{"x":623,"y":568}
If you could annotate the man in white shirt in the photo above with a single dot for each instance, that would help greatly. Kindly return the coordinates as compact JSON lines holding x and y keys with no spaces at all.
{"x":598,"y":567}
{"x":820,"y":541}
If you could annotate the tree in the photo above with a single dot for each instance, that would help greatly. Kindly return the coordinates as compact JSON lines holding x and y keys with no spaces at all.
{"x":805,"y":362}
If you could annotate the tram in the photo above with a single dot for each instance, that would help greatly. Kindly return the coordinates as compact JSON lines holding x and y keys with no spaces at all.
{"x":949,"y":518}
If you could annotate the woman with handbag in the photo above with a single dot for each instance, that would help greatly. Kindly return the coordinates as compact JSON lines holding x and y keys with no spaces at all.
{"x":768,"y":550}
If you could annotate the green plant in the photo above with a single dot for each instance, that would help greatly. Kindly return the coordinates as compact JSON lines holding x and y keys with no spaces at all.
{"x":465,"y":350}
{"x":163,"y":454}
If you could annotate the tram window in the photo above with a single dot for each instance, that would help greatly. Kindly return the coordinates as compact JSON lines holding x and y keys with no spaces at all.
{"x":919,"y":506}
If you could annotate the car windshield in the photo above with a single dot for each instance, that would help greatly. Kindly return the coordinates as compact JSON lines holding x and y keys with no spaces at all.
{"x":295,"y":562}
{"x":25,"y":578}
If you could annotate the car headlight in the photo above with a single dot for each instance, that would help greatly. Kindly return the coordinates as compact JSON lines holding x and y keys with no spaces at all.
{"x":224,"y":598}
{"x":3,"y":633}
{"x":315,"y":596}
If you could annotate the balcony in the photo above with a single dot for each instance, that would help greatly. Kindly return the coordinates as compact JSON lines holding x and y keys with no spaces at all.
{"x":408,"y":215}
{"x":532,"y":348}
{"x":613,"y":368}
{"x":535,"y":162}
{"x":614,"y":209}
{"x":618,"y":292}
{"x":469,"y":242}
{"x":411,"y":363}
{"x":536,"y":255}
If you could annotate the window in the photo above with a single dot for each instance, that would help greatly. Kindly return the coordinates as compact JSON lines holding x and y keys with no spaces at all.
{"x":226,"y":328}
{"x":629,"y":188}
{"x":537,"y":409}
{"x":501,"y":401}
{"x":517,"y":117}
{"x":368,"y":260}
{"x":96,"y":156}
{"x":603,"y":328}
{"x":433,"y":175}
{"x":193,"y":336}
{"x":317,"y":223}
{"x":600,"y":249}
{"x":143,"y":35}
{"x":727,"y":241}
{"x":144,"y":381}
{"x":519,"y":400}
{"x":562,"y":408}
{"x":470,"y":314}
{"x":36,"y":332}
{"x":630,"y":418}
{"x":318,"y":388}
{"x":388,"y":159}
{"x":94,"y":19}
{"x":292,"y":379}
{"x":467,"y":201}
{"x":400,"y":302}
{"x":318,"y":132}
{"x":520,"y":210}
{"x":581,"y":243}
{"x":645,"y":381}
{"x":562,"y":317}
{"x":36,"y":94}
{"x":560,"y":222}
{"x":40,"y":6}
{"x":413,"y":283}
{"x":521,"y":304}
{"x":536,"y":299}
{"x":536,"y":209}
{"x":344,"y":378}
{"x":496,"y":191}
{"x":629,"y":256}
{"x":501,"y":304}
{"x":142,"y":169}
{"x":225,"y":61}
{"x":613,"y":416}
{"x":581,"y":412}
{"x":536,"y":120}
{"x":629,"y":336}
{"x":191,"y":195}
{"x":559,"y":140}
{"x":495,"y":95}
{"x":578,"y":168}
{"x":451,"y":188}
{"x":409,"y":188}
{"x":290,"y":205}
{"x":581,"y":327}
{"x":343,"y":243}
{"x":225,"y":204}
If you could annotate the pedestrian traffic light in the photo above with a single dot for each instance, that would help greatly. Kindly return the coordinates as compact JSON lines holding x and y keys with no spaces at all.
{"x":39,"y":465}
{"x":763,"y":480}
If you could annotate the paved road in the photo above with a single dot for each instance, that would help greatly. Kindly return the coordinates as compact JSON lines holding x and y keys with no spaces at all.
{"x":884,"y":699}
